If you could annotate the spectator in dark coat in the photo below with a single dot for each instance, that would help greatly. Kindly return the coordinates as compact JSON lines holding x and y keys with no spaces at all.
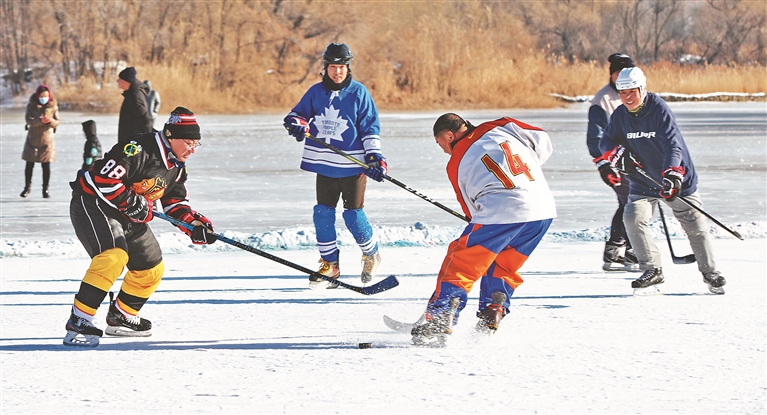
{"x":42,"y":118}
{"x":134,"y":114}
{"x":92,"y":148}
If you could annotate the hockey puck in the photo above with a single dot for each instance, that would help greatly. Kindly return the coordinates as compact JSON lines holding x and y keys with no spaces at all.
{"x":366,"y":345}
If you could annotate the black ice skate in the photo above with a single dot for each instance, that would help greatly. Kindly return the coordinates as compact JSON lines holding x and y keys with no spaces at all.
{"x":630,"y":261}
{"x":329,"y":269}
{"x":613,"y":256}
{"x":434,"y":332}
{"x":715,"y":282}
{"x":491,"y":316}
{"x":120,"y":325}
{"x":81,"y":332}
{"x":649,"y":283}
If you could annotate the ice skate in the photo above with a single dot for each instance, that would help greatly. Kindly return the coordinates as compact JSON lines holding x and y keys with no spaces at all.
{"x":613,"y":256}
{"x":329,"y":269}
{"x":630,"y":261}
{"x":491,"y":316}
{"x":433,"y":332}
{"x":715,"y":282}
{"x":370,"y":267}
{"x":118,"y":324}
{"x":650,"y":283}
{"x":81,"y":332}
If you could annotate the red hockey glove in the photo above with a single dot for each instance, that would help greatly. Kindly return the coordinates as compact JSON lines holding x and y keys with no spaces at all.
{"x":610,"y":175}
{"x":203,"y":228}
{"x":672,"y":183}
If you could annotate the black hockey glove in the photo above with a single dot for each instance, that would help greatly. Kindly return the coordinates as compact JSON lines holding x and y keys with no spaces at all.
{"x":623,"y":160}
{"x":138,"y":209}
{"x":610,"y":175}
{"x":672,"y":183}
{"x":202,"y":235}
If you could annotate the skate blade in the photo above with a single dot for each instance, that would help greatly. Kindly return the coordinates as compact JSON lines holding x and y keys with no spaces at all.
{"x":75,"y":339}
{"x":613,"y":266}
{"x":433,"y":343}
{"x":322,"y":284}
{"x":119,"y":331}
{"x":716,"y":290}
{"x":656,"y":289}
{"x":631,"y":268}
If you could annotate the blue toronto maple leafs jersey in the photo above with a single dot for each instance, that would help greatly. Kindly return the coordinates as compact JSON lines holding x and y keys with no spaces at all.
{"x":346,"y":119}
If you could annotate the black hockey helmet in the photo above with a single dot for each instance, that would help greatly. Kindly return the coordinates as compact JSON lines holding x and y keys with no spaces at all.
{"x":337,"y":54}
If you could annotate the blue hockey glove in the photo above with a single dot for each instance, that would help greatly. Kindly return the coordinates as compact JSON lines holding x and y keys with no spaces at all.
{"x":297,"y":126}
{"x":672,"y":183}
{"x":377,"y":167}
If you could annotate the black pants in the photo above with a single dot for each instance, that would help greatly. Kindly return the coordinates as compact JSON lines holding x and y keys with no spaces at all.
{"x":350,"y":189}
{"x":46,"y":174}
{"x":100,"y":227}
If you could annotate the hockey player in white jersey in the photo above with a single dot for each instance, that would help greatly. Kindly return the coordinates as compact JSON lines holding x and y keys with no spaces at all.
{"x":495,"y":170}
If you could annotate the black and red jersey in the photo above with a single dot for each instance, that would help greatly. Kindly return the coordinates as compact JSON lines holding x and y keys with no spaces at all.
{"x":144,"y":165}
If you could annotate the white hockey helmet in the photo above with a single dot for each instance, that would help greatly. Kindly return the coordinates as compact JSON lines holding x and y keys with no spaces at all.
{"x":630,"y":78}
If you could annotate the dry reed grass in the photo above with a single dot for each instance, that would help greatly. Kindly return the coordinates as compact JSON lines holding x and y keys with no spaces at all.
{"x":449,"y":82}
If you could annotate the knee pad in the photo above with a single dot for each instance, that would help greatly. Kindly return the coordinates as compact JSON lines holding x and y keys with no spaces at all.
{"x":106,"y":268}
{"x":138,"y":286}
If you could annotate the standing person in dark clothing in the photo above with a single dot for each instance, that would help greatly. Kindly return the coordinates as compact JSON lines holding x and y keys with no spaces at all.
{"x":617,"y":255}
{"x":134,"y":113}
{"x":643,"y":133}
{"x":152,"y":101}
{"x":110,"y":210}
{"x":92,"y":148}
{"x":42,"y":118}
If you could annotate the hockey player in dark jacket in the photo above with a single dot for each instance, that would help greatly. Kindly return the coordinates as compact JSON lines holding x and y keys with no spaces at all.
{"x":643,"y":133}
{"x":92,"y":147}
{"x":110,"y":208}
{"x":135,"y":117}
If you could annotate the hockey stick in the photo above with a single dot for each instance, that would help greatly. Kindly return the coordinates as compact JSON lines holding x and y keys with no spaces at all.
{"x":381,"y":286}
{"x":687,"y":259}
{"x":683,"y":199}
{"x":389,"y":178}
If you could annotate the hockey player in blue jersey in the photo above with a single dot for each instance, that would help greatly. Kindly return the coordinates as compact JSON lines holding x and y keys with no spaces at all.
{"x":643,"y":133}
{"x":340,"y":111}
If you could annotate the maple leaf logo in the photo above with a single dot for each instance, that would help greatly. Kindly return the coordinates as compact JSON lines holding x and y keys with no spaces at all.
{"x":330,"y":125}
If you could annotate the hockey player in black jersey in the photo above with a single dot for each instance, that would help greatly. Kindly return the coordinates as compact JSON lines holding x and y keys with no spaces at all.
{"x":110,"y":209}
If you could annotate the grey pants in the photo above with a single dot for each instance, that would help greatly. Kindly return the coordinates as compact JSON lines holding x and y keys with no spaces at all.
{"x":637,"y":216}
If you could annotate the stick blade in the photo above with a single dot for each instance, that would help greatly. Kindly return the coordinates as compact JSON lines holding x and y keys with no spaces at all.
{"x":687,"y":259}
{"x":386,"y":284}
